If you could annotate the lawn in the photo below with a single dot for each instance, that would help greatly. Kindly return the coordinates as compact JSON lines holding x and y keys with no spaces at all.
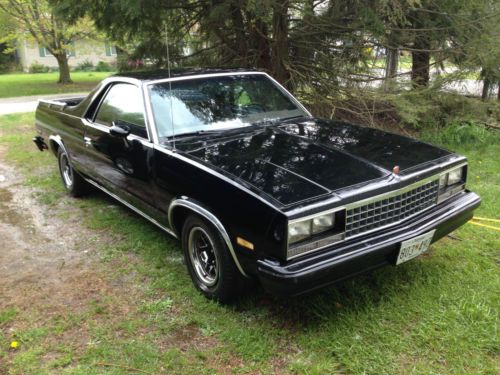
{"x":24,"y":84}
{"x":437,"y":314}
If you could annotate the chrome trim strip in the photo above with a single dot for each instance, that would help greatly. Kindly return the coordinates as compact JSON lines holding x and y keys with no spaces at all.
{"x":210,"y":217}
{"x":195,"y":76}
{"x":391,"y":194}
{"x":334,"y":238}
{"x":149,"y":114}
{"x":58,"y":140}
{"x":308,"y":217}
{"x":400,"y":191}
{"x":133,"y":208}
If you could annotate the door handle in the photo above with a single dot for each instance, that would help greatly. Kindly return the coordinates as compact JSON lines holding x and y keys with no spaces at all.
{"x":88,"y":141}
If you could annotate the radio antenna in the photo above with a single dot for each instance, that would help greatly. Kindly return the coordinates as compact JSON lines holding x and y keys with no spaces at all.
{"x":170,"y":90}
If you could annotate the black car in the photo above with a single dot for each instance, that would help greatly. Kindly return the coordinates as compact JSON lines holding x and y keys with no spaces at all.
{"x":229,"y":162}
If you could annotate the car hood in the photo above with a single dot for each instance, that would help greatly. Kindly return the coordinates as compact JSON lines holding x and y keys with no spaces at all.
{"x":293,"y":162}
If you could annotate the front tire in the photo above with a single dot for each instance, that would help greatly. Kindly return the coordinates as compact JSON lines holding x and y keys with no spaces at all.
{"x":209,"y":263}
{"x":74,"y":184}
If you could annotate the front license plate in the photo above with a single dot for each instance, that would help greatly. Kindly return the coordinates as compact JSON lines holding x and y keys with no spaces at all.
{"x":414,"y":247}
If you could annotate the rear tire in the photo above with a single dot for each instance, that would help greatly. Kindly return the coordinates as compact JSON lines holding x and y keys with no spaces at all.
{"x":74,"y":184}
{"x":209,"y":262}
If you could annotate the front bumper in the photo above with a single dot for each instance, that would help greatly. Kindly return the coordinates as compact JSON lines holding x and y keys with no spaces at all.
{"x":364,"y":253}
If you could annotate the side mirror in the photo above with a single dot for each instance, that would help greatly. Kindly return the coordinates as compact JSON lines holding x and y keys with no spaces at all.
{"x":119,"y":129}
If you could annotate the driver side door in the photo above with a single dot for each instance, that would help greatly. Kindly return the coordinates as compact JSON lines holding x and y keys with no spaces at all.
{"x":119,"y":153}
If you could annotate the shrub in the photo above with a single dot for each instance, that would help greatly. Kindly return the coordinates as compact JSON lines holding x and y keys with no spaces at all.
{"x":85,"y":66}
{"x":36,"y":67}
{"x":461,"y":133}
{"x":7,"y":59}
{"x":103,"y":66}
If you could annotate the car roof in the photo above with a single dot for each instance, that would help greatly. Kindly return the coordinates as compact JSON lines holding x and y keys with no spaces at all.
{"x":151,"y":75}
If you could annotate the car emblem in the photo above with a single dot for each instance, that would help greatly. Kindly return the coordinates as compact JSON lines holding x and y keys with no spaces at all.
{"x":395,"y":169}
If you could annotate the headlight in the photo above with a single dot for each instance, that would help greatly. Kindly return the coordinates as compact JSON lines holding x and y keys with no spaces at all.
{"x":443,"y":180}
{"x":451,"y":183}
{"x":322,"y":223}
{"x":303,"y":229}
{"x":299,"y":230}
{"x":455,"y":176}
{"x":451,"y":178}
{"x":315,"y":232}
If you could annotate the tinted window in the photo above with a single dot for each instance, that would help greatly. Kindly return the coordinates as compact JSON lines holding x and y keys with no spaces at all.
{"x":123,"y":102}
{"x":218,"y":103}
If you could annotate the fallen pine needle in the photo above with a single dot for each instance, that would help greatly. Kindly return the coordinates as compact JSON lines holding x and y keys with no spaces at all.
{"x":106,"y":364}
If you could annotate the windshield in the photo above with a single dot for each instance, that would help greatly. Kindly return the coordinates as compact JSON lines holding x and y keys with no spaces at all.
{"x":217,"y":103}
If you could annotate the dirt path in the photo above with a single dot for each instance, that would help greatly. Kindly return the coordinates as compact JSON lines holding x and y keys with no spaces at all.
{"x":40,"y":258}
{"x":50,"y":267}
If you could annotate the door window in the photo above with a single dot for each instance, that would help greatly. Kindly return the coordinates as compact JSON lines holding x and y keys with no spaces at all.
{"x":123,"y":102}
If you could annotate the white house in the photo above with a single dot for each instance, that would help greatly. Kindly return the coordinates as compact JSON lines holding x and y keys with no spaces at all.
{"x":30,"y":52}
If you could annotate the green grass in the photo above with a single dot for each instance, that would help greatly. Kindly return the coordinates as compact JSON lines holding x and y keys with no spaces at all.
{"x":24,"y":84}
{"x":437,"y":314}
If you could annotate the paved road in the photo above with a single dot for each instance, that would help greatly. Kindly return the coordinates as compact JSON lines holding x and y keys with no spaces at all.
{"x":28,"y":103}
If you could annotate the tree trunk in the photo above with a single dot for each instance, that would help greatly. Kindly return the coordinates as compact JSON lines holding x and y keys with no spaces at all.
{"x":486,"y":88}
{"x":259,"y":45}
{"x":391,"y":67}
{"x":498,"y":92}
{"x":420,"y":55}
{"x":280,"y":42}
{"x":64,"y":75}
{"x":241,"y":45}
{"x":421,"y":58}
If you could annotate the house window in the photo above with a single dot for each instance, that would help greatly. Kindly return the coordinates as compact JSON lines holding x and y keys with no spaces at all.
{"x":110,"y":49}
{"x":44,"y":52}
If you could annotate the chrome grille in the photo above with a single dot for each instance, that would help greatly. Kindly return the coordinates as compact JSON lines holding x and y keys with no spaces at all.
{"x":390,"y":209}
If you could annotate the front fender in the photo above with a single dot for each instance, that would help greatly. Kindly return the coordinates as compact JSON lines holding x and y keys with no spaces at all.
{"x":200,"y":209}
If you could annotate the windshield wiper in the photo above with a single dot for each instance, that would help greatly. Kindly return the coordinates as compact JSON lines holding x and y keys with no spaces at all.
{"x":195,"y":133}
{"x":274,"y":121}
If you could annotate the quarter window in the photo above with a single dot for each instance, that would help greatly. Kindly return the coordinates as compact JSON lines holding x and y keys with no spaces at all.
{"x":123,"y":102}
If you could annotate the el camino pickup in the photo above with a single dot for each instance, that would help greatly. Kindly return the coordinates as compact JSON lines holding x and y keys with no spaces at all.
{"x":229,"y":162}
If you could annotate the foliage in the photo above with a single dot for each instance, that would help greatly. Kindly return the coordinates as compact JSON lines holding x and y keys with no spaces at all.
{"x":37,"y":67}
{"x":85,"y":66}
{"x":103,"y":66}
{"x":7,"y":59}
{"x":428,"y":109}
{"x":462,"y":133}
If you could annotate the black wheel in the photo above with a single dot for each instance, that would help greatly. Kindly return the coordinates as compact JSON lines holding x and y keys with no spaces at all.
{"x":75,"y":185}
{"x":209,"y":262}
